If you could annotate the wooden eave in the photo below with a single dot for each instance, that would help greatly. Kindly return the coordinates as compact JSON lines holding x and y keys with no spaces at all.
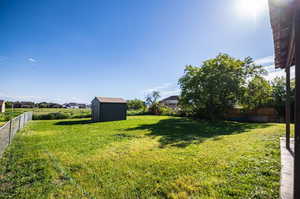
{"x":282,"y":17}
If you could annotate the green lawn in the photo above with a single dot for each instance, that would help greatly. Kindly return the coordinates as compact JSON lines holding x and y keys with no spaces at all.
{"x":55,"y":113}
{"x":143,"y":157}
{"x":4,"y":117}
{"x":43,"y":113}
{"x":53,"y":110}
{"x":2,"y":123}
{"x":49,"y":113}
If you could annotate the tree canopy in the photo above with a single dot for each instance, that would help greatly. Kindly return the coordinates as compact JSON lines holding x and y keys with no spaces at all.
{"x":217,"y":85}
{"x":152,"y":98}
{"x":257,"y":94}
{"x":135,"y":104}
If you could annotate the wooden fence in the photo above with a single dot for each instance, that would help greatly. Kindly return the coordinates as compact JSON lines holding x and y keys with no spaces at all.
{"x":257,"y":115}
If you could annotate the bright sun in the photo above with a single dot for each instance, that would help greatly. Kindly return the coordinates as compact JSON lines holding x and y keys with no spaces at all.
{"x":251,"y":8}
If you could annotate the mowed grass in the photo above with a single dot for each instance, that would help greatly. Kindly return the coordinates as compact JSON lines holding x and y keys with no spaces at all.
{"x":57,"y":113}
{"x":6,"y":116}
{"x":142,"y":157}
{"x":58,"y":110}
{"x":50,"y":110}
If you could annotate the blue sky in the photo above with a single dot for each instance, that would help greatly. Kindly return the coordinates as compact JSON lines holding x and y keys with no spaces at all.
{"x":73,"y":50}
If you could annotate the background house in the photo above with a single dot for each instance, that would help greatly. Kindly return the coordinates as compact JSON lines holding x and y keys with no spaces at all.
{"x":2,"y":106}
{"x":74,"y":105}
{"x":108,"y":109}
{"x":171,"y":102}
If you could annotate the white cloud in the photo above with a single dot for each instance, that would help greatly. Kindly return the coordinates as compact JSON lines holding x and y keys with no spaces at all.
{"x":158,"y":88}
{"x":265,"y":61}
{"x":272,"y":75}
{"x":31,"y":59}
{"x":170,"y":92}
{"x":273,"y":72}
{"x":268,"y":63}
{"x":165,"y":90}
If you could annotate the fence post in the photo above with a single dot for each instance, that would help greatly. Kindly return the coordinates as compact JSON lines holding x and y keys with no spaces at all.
{"x":19,"y":122}
{"x":10,"y":128}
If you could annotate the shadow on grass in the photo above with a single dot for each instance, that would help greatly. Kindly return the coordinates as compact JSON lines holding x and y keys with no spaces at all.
{"x":74,"y":122}
{"x":181,"y":132}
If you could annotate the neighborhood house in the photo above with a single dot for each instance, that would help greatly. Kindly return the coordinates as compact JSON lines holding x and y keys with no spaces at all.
{"x":73,"y":105}
{"x":170,"y":102}
{"x":108,"y":109}
{"x":2,"y":106}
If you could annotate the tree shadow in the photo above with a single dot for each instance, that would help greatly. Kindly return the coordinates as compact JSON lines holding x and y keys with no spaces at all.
{"x":181,"y":132}
{"x":74,"y":122}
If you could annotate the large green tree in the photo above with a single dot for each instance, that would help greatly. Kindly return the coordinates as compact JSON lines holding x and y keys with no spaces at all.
{"x":216,"y":86}
{"x":257,"y":94}
{"x":135,"y":104}
{"x":279,"y":94}
{"x":279,"y":91}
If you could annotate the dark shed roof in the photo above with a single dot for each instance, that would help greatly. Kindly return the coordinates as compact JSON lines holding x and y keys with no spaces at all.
{"x":281,"y":16}
{"x":111,"y":100}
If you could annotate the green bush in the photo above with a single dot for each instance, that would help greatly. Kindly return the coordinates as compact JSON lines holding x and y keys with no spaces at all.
{"x":155,"y":109}
{"x":51,"y":116}
{"x":167,"y":111}
{"x":135,"y":104}
{"x":82,"y":116}
{"x":159,"y":109}
{"x":137,"y":112}
{"x":60,"y":115}
{"x":8,"y":115}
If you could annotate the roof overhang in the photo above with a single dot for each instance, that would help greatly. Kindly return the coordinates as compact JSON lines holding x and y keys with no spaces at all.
{"x":111,"y":100}
{"x":282,"y":16}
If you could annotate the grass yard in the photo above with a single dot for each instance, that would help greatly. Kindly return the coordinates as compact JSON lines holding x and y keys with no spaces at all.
{"x":58,"y":113}
{"x":5,"y":117}
{"x":64,"y":113}
{"x":143,"y":157}
{"x":54,"y":110}
{"x":2,"y":123}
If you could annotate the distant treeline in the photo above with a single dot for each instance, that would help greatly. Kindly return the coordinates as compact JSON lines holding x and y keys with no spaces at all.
{"x":27,"y":104}
{"x":134,"y":104}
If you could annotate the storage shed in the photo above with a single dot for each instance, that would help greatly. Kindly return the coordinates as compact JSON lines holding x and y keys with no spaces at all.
{"x":108,"y":109}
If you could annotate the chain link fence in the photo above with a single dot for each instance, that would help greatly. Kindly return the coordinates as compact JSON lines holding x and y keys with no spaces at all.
{"x":9,"y":130}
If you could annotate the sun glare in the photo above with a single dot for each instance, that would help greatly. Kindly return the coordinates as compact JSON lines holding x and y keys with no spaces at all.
{"x":251,"y":8}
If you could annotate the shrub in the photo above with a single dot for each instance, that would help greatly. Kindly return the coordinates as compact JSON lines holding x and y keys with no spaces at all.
{"x":167,"y":111}
{"x":159,"y":109}
{"x":8,"y":115}
{"x":135,"y":104}
{"x":155,"y":109}
{"x":82,"y":116}
{"x":137,"y":112}
{"x":51,"y":116}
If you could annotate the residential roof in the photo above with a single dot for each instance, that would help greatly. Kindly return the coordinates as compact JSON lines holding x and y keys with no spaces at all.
{"x":281,"y":16}
{"x":110,"y":100}
{"x":174,"y":97}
